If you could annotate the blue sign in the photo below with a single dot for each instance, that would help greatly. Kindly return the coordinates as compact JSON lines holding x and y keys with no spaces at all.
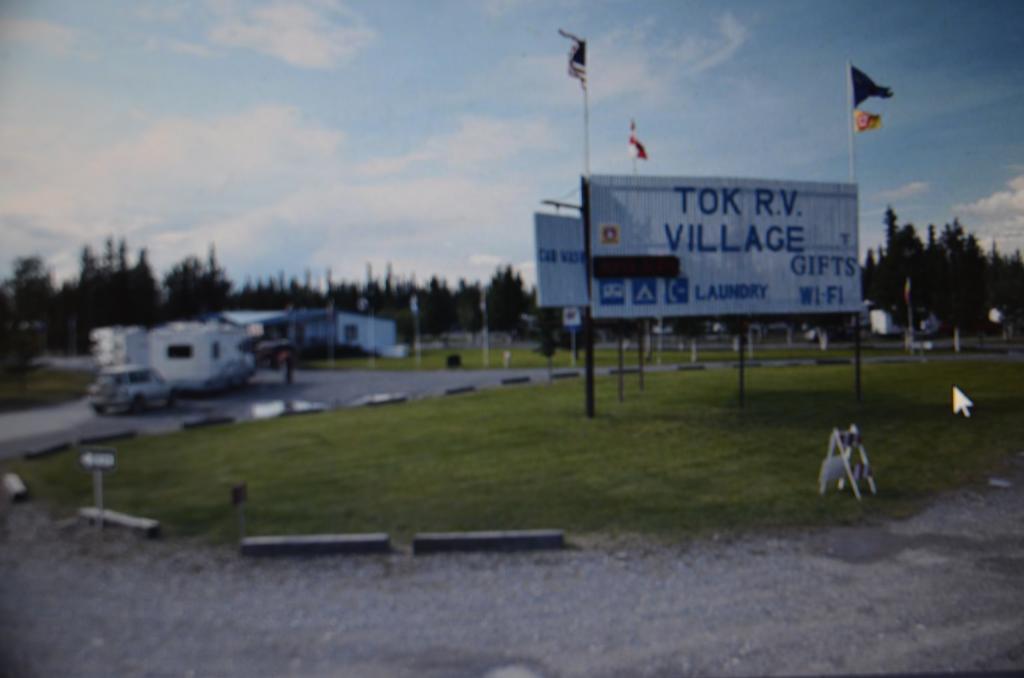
{"x":645,"y":291}
{"x":677,"y":291}
{"x":612,"y":291}
{"x":561,"y":263}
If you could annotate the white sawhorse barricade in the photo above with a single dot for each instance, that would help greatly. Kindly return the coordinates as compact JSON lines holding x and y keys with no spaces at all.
{"x":837,"y":462}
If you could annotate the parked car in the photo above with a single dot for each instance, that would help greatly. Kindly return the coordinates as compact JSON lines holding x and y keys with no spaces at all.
{"x":129,"y":387}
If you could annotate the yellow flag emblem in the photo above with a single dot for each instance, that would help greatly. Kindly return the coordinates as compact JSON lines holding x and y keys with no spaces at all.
{"x":864,"y":121}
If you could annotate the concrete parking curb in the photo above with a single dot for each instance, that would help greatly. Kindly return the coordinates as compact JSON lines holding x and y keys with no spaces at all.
{"x":515,"y":380}
{"x":108,"y":437}
{"x":459,"y":390}
{"x":516,"y":540}
{"x":565,"y":375}
{"x":627,"y":370}
{"x":211,"y":421}
{"x":148,"y":527}
{"x":15,"y":488}
{"x":47,"y":451}
{"x":690,"y":368}
{"x":832,"y":361}
{"x":317,"y":545}
{"x":375,"y":399}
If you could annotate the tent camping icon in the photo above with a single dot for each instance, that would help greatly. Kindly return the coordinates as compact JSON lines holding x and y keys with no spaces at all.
{"x":645,"y":291}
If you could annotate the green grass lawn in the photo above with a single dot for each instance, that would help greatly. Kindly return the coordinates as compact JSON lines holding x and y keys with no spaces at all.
{"x":40,"y":387}
{"x":472,"y":359}
{"x":678,"y":459}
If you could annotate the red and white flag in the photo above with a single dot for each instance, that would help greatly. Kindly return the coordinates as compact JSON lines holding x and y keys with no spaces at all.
{"x":636,"y":149}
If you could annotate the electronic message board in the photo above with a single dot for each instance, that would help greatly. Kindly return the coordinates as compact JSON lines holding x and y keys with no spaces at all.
{"x":745,"y":246}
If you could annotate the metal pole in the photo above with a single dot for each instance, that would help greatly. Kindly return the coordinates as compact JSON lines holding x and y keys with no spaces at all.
{"x":618,"y":331}
{"x":416,"y":337}
{"x":640,"y":351}
{"x":487,"y":339}
{"x":856,"y":354}
{"x":97,"y":490}
{"x":910,"y":323}
{"x":332,"y":332}
{"x":588,"y":321}
{"x":849,"y":113}
{"x":586,"y":132}
{"x":572,"y":340}
{"x":661,"y":334}
{"x":373,"y":339}
{"x":742,"y":394}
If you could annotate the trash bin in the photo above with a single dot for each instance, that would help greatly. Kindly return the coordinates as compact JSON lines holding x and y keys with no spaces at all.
{"x":454,"y":360}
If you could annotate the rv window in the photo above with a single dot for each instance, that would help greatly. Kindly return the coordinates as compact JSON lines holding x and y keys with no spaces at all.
{"x":179,"y":351}
{"x":216,"y":350}
{"x":351,"y":334}
{"x":140,"y":377}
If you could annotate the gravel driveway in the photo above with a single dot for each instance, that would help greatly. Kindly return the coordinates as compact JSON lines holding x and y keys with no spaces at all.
{"x":943,"y":590}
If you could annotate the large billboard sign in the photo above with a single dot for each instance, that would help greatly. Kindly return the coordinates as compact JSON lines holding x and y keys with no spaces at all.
{"x":745,"y":246}
{"x":561,"y":262}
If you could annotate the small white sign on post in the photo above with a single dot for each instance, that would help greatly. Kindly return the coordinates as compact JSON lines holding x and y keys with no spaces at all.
{"x":98,"y":460}
{"x":571,"y":318}
{"x":837,"y":463}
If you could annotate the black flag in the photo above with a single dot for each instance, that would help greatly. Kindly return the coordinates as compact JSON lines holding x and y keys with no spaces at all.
{"x":864,"y":87}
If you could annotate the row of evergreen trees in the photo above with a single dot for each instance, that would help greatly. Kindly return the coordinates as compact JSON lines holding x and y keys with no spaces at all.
{"x":113,"y":289}
{"x":951,"y":277}
{"x":950,"y":274}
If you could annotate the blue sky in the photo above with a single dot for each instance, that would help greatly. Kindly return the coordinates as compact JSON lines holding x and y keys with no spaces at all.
{"x":301,"y":134}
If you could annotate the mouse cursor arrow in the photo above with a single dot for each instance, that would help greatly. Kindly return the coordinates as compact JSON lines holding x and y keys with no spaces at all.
{"x":961,"y":403}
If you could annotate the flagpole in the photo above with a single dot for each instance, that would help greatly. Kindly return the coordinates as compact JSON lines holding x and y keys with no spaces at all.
{"x":849,"y":113}
{"x":586,"y":131}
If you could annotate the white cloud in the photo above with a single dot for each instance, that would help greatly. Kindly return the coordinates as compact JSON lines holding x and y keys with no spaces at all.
{"x":905,"y":191}
{"x":273,"y":190}
{"x":44,"y":35}
{"x":631,"y":62}
{"x":158,"y":186}
{"x":488,"y":261}
{"x":697,"y":54}
{"x":998,"y":217}
{"x":315,"y":34}
{"x":478,"y":142}
{"x":178,"y":46}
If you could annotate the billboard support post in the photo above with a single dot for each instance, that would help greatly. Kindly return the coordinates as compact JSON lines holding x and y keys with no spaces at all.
{"x":622,"y":366}
{"x":856,"y":355}
{"x":742,"y":332}
{"x":640,"y":332}
{"x":588,"y":321}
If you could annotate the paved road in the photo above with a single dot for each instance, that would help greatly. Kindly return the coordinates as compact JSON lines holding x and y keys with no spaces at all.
{"x":35,"y":429}
{"x":30,"y":430}
{"x":941,"y":591}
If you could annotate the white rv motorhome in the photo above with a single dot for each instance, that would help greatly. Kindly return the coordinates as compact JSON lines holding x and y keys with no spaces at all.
{"x":120,"y":345}
{"x":195,"y":356}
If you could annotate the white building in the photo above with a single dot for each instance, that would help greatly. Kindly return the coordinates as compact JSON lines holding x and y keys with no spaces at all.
{"x":311,"y":327}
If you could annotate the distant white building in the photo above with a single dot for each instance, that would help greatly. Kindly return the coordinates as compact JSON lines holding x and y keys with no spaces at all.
{"x":310,"y":328}
{"x":883,"y":324}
